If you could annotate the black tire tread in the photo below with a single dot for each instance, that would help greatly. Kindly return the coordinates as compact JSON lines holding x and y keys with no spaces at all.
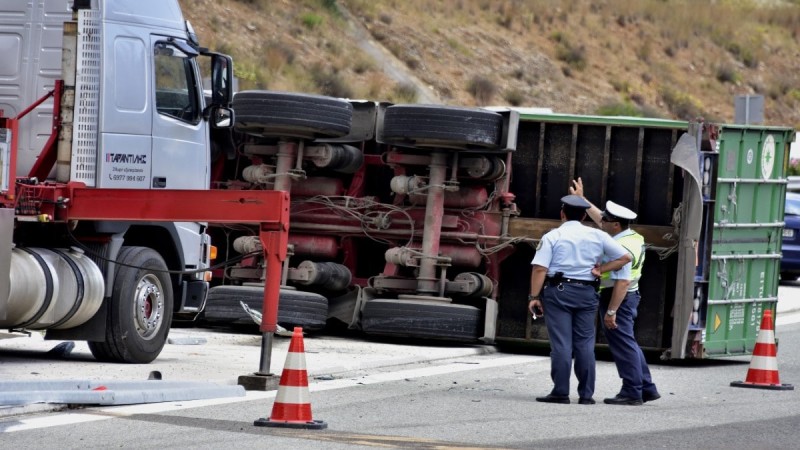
{"x":295,"y":308}
{"x":107,"y":351}
{"x":431,"y":125}
{"x":421,"y":319}
{"x":271,"y":113}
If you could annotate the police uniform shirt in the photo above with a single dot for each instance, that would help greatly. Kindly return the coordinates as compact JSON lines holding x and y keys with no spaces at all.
{"x":625,"y":272}
{"x":574,"y":249}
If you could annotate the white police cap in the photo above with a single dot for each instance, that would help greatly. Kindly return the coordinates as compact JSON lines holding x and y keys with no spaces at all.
{"x":614,"y":210}
{"x":576,"y":201}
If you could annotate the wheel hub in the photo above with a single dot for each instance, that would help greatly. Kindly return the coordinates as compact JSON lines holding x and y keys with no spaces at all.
{"x":148,"y":306}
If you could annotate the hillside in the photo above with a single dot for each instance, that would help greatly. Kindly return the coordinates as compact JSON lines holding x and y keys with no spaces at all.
{"x":658,"y":58}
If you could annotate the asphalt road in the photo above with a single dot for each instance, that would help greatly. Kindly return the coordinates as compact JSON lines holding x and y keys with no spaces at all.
{"x":384,"y":395}
{"x":478,"y":401}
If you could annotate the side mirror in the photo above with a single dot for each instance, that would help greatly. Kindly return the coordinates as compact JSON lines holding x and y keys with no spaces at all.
{"x":221,"y":79}
{"x":221,"y":117}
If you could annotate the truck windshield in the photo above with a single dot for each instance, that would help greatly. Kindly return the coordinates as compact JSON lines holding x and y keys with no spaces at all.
{"x":175,"y":81}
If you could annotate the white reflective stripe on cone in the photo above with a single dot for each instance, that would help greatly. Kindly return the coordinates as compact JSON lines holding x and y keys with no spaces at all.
{"x":291,"y":394}
{"x":295,"y":361}
{"x":766,"y":337}
{"x":764,"y":363}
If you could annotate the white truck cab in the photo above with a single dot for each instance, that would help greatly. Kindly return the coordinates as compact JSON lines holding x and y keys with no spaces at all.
{"x":132,"y":115}
{"x":139,"y":103}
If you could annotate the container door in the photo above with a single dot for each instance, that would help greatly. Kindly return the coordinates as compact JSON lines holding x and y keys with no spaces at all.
{"x":742,"y":266}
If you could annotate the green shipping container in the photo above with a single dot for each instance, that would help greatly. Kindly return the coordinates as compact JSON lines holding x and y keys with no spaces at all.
{"x":739,"y":271}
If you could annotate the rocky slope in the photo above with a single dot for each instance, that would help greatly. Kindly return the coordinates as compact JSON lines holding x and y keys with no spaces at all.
{"x":660,"y":58}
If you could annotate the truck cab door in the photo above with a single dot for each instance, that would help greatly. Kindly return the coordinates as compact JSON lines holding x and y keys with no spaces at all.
{"x":180,"y":154}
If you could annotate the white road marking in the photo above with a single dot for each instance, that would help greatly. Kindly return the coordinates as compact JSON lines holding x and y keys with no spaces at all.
{"x":787,"y":318}
{"x":463,"y":364}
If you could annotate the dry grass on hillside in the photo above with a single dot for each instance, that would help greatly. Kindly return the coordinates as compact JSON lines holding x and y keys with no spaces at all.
{"x":665,"y":58}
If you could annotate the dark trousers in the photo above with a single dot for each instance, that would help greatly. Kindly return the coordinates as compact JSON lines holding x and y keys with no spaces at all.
{"x":628,"y":356}
{"x":570,"y":311}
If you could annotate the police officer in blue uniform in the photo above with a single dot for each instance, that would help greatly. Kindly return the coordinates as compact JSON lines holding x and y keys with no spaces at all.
{"x":567,"y":263}
{"x":618,"y":312}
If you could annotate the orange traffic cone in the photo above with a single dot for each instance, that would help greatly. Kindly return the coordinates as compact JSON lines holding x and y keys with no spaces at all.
{"x":763,"y":372}
{"x":292,"y":407}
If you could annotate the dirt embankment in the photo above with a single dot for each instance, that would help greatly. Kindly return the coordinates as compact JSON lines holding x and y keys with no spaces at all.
{"x":679,"y":59}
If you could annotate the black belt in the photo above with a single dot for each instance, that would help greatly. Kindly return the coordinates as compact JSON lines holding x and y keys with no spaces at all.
{"x":554,"y":281}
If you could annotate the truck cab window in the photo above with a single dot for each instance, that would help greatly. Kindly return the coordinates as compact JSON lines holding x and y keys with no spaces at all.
{"x":175,"y":83}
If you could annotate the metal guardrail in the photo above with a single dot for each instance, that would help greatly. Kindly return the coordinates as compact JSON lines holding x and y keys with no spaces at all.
{"x":99,"y":392}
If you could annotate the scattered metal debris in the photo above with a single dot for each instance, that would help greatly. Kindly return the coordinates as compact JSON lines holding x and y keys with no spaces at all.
{"x":256,"y":316}
{"x":62,"y":350}
{"x":187,"y":341}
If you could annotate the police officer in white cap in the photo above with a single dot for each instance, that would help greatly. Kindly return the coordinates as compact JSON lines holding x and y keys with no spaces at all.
{"x":618,"y":312}
{"x":567,"y":263}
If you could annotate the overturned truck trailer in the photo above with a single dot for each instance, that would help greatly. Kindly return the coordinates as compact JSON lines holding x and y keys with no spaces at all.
{"x":420,"y":221}
{"x":710,"y":200}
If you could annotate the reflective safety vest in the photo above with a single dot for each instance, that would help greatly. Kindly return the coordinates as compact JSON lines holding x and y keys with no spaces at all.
{"x":634,"y":244}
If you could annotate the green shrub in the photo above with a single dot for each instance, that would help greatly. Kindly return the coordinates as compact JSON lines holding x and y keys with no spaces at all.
{"x":515,"y":97}
{"x":727,"y":74}
{"x":518,"y":73}
{"x":250,"y":75}
{"x":621,"y":86}
{"x":276,"y":55}
{"x":261,"y":5}
{"x":574,"y":56}
{"x":311,"y":20}
{"x":482,"y":89}
{"x":363,"y":64}
{"x":330,"y":5}
{"x":743,"y":54}
{"x":617,"y":108}
{"x":404,"y":93}
{"x":456,"y":45}
{"x":330,"y":83}
{"x":680,"y":104}
{"x":644,"y":51}
{"x":780,"y":86}
{"x":557,"y":36}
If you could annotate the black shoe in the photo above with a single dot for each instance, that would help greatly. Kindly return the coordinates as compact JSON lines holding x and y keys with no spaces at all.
{"x":549,"y":398}
{"x":650,"y":397}
{"x":586,"y":401}
{"x":618,"y":400}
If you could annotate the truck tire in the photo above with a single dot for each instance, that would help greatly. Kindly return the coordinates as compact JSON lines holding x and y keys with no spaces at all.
{"x":295,"y":308}
{"x":442,"y":126}
{"x":139,"y":310}
{"x":286,"y":114}
{"x":421,"y":319}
